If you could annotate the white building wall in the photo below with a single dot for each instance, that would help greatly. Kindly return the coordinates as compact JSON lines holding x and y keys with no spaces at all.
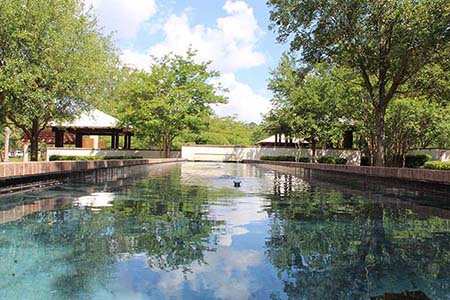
{"x":231,"y":153}
{"x":436,"y":154}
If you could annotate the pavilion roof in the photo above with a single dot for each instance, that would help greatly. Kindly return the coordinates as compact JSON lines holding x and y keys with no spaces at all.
{"x":92,"y":119}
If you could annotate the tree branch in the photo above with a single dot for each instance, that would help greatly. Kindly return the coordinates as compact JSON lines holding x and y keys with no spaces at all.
{"x":20,"y":125}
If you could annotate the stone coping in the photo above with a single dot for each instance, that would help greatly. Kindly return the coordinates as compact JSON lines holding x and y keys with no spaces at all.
{"x":26,"y":169}
{"x":423,"y":175}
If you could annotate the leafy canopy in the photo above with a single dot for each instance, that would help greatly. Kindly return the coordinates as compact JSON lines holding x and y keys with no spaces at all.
{"x":389,"y":43}
{"x":54,"y":62}
{"x":175,"y":96}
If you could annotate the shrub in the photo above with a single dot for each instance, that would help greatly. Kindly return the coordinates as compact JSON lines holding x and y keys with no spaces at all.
{"x":286,"y":158}
{"x":332,"y":160}
{"x":341,"y":161}
{"x":83,"y":158}
{"x":326,"y":160}
{"x":303,"y":159}
{"x":437,"y":165}
{"x":365,"y":161}
{"x":278,"y":158}
{"x":121,"y":157}
{"x":416,"y":161}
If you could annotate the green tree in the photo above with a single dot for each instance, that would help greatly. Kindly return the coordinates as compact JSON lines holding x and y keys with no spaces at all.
{"x":413,"y":123}
{"x":228,"y":131}
{"x":174,"y":97}
{"x":54,"y":63}
{"x":388,"y":43}
{"x":309,"y":103}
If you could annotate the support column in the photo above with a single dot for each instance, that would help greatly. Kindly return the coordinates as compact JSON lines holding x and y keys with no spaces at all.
{"x":129,"y":142}
{"x":348,"y":139}
{"x":59,"y":138}
{"x":117,"y":141}
{"x":113,"y":141}
{"x":25,"y":152}
{"x":79,"y":140}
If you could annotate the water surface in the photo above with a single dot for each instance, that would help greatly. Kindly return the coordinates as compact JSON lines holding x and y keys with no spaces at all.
{"x":183,"y":232}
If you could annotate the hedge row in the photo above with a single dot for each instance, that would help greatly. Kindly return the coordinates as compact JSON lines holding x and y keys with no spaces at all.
{"x":82,"y":158}
{"x":286,"y":158}
{"x":411,"y":161}
{"x":417,"y":161}
{"x":322,"y":160}
{"x":437,"y":165}
{"x":278,"y":158}
{"x":332,"y":160}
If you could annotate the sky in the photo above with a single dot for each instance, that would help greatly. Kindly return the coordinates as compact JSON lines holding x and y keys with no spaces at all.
{"x":233,"y":34}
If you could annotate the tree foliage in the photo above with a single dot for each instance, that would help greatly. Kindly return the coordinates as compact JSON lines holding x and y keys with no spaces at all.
{"x":389,"y":43}
{"x":414,"y":123}
{"x":174,"y":97}
{"x":54,"y":63}
{"x":310,"y":103}
{"x":224,"y":131}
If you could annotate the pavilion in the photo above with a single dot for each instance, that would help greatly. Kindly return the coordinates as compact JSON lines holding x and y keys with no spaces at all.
{"x":280,"y":140}
{"x":93,"y":123}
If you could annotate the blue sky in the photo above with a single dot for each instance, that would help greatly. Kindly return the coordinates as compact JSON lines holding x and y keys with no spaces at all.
{"x":233,"y":34}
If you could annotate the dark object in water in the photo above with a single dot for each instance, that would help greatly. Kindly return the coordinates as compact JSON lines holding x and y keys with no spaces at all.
{"x":407,"y":295}
{"x":237,"y":183}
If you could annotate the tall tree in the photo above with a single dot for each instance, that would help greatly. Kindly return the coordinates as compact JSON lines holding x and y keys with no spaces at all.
{"x":414,"y":123}
{"x":54,"y":63}
{"x":174,"y":97}
{"x":310,"y":102}
{"x":388,"y":42}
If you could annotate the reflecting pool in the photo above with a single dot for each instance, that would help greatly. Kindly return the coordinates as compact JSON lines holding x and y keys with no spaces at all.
{"x":182,"y":231}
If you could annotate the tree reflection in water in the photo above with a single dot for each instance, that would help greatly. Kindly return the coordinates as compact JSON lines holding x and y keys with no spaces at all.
{"x":159,"y":217}
{"x":326,"y":245}
{"x":323,"y":242}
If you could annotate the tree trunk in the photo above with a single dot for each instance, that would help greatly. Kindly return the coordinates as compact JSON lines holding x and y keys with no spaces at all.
{"x":7,"y":133}
{"x":166,"y":145}
{"x":371,"y":149}
{"x":34,"y":141}
{"x":404,"y":152}
{"x":313,"y":147}
{"x":380,"y":136}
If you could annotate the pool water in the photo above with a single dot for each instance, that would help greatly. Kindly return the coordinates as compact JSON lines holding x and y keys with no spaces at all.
{"x":182,"y":231}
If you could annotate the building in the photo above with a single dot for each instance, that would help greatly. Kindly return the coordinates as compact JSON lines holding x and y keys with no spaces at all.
{"x":88,"y":127}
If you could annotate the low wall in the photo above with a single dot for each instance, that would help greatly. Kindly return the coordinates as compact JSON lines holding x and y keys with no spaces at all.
{"x":423,"y":175}
{"x":28,"y":169}
{"x":233,"y":153}
{"x":99,"y":152}
{"x":436,"y":154}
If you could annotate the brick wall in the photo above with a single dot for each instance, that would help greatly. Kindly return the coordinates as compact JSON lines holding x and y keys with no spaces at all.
{"x":17,"y":170}
{"x":436,"y":176}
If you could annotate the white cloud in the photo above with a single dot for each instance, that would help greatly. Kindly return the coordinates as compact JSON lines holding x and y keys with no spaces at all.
{"x":230,"y":44}
{"x":226,"y":271}
{"x":243,"y":101}
{"x":124,"y":17}
{"x":136,"y":59}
